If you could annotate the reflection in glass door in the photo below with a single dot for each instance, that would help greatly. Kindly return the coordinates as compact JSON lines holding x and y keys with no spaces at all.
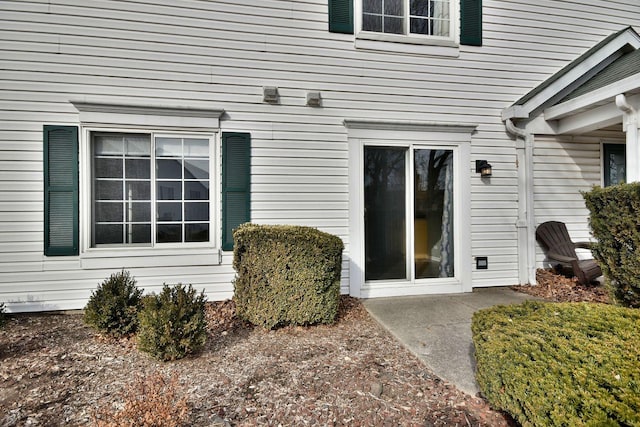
{"x":389,"y":197}
{"x":385,"y":213}
{"x":433,"y":213}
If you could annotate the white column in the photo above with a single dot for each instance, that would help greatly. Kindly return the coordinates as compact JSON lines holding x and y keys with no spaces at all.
{"x":525,"y":224}
{"x":630,"y":125}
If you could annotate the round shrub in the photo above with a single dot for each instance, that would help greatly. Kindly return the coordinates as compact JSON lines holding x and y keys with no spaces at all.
{"x":172,"y":324}
{"x":569,"y":364}
{"x":113,"y":307}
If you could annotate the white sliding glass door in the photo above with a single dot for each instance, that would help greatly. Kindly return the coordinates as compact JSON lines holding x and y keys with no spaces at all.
{"x":409,"y":208}
{"x":409,"y":213}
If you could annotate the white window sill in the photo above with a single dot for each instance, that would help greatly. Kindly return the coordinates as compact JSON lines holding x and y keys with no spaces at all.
{"x":97,"y":258}
{"x":406,"y":44}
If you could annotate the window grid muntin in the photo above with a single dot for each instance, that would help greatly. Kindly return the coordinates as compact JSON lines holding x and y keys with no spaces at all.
{"x":184,"y":202}
{"x":386,"y":13}
{"x":207,"y":156}
{"x":126,"y":222}
{"x":408,"y":17}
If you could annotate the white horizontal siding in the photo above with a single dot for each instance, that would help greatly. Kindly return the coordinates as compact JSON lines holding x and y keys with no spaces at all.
{"x":219,"y":54}
{"x":563,"y":168}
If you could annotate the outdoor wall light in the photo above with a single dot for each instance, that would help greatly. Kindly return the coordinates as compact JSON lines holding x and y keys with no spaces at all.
{"x":483,"y":168}
{"x":270,"y":94}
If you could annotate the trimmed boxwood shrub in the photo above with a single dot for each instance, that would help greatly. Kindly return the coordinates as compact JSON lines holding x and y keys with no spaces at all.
{"x":113,"y":306}
{"x":286,"y":275}
{"x":173,"y":323}
{"x":560,"y":364}
{"x":615,"y":224}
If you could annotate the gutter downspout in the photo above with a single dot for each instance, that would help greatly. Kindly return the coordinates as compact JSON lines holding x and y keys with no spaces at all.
{"x":525,"y":224}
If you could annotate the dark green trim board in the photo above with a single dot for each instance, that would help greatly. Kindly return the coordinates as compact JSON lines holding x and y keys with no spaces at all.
{"x":341,"y":16}
{"x":471,"y":22}
{"x":60,"y":154}
{"x":236,"y":184}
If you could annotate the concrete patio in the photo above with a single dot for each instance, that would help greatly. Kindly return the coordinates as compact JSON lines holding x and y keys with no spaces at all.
{"x":437,"y":328}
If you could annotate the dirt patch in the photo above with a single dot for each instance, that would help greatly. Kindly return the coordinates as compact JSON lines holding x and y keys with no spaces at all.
{"x":54,"y":370}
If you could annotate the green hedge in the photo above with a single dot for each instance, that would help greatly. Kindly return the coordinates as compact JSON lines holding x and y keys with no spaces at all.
{"x":560,"y":364}
{"x":615,"y":223}
{"x":286,"y":275}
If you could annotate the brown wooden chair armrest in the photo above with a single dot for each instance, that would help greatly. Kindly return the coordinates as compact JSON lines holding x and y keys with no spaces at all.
{"x":583,"y":245}
{"x":561,"y":258}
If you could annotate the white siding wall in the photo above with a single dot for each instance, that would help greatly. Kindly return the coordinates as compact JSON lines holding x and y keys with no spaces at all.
{"x":219,"y":54}
{"x":563,"y":167}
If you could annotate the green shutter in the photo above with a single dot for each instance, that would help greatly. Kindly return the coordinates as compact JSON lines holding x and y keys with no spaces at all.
{"x":236,"y":184}
{"x":60,"y":190}
{"x":341,"y":16}
{"x":471,"y":22}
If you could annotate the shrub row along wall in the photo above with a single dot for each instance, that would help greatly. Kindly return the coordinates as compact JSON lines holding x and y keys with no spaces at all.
{"x":286,"y":275}
{"x":169,"y":325}
{"x":569,"y":364}
{"x":615,"y":223}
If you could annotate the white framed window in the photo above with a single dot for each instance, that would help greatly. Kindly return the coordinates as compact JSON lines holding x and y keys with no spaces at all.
{"x":153,"y":189}
{"x":407,"y":20}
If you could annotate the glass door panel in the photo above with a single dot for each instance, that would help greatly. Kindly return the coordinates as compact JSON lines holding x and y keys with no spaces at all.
{"x":385,"y":213}
{"x":614,"y":164}
{"x":433,"y":213}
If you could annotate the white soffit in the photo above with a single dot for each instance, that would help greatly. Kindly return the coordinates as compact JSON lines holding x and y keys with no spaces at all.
{"x":600,"y":116}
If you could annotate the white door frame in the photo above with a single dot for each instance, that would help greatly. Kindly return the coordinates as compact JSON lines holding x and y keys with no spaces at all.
{"x":412,"y":135}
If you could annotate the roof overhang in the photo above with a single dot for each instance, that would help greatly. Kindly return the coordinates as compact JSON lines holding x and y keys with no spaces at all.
{"x":552,"y":101}
{"x":593,"y":110}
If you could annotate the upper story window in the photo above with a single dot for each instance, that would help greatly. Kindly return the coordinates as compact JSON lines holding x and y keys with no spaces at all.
{"x":418,"y":18}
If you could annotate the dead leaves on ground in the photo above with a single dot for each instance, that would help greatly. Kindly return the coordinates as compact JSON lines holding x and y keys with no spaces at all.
{"x":558,"y":288}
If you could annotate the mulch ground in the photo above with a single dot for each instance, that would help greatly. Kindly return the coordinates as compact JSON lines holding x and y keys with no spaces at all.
{"x":54,"y":370}
{"x":558,"y":288}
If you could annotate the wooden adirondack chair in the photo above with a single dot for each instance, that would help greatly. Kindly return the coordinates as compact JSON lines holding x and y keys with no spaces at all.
{"x":554,"y":238}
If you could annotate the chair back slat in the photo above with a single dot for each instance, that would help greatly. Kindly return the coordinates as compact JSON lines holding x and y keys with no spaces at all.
{"x":554,"y":237}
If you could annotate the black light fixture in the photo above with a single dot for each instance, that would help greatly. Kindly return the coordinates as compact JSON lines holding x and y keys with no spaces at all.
{"x":483,"y":168}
